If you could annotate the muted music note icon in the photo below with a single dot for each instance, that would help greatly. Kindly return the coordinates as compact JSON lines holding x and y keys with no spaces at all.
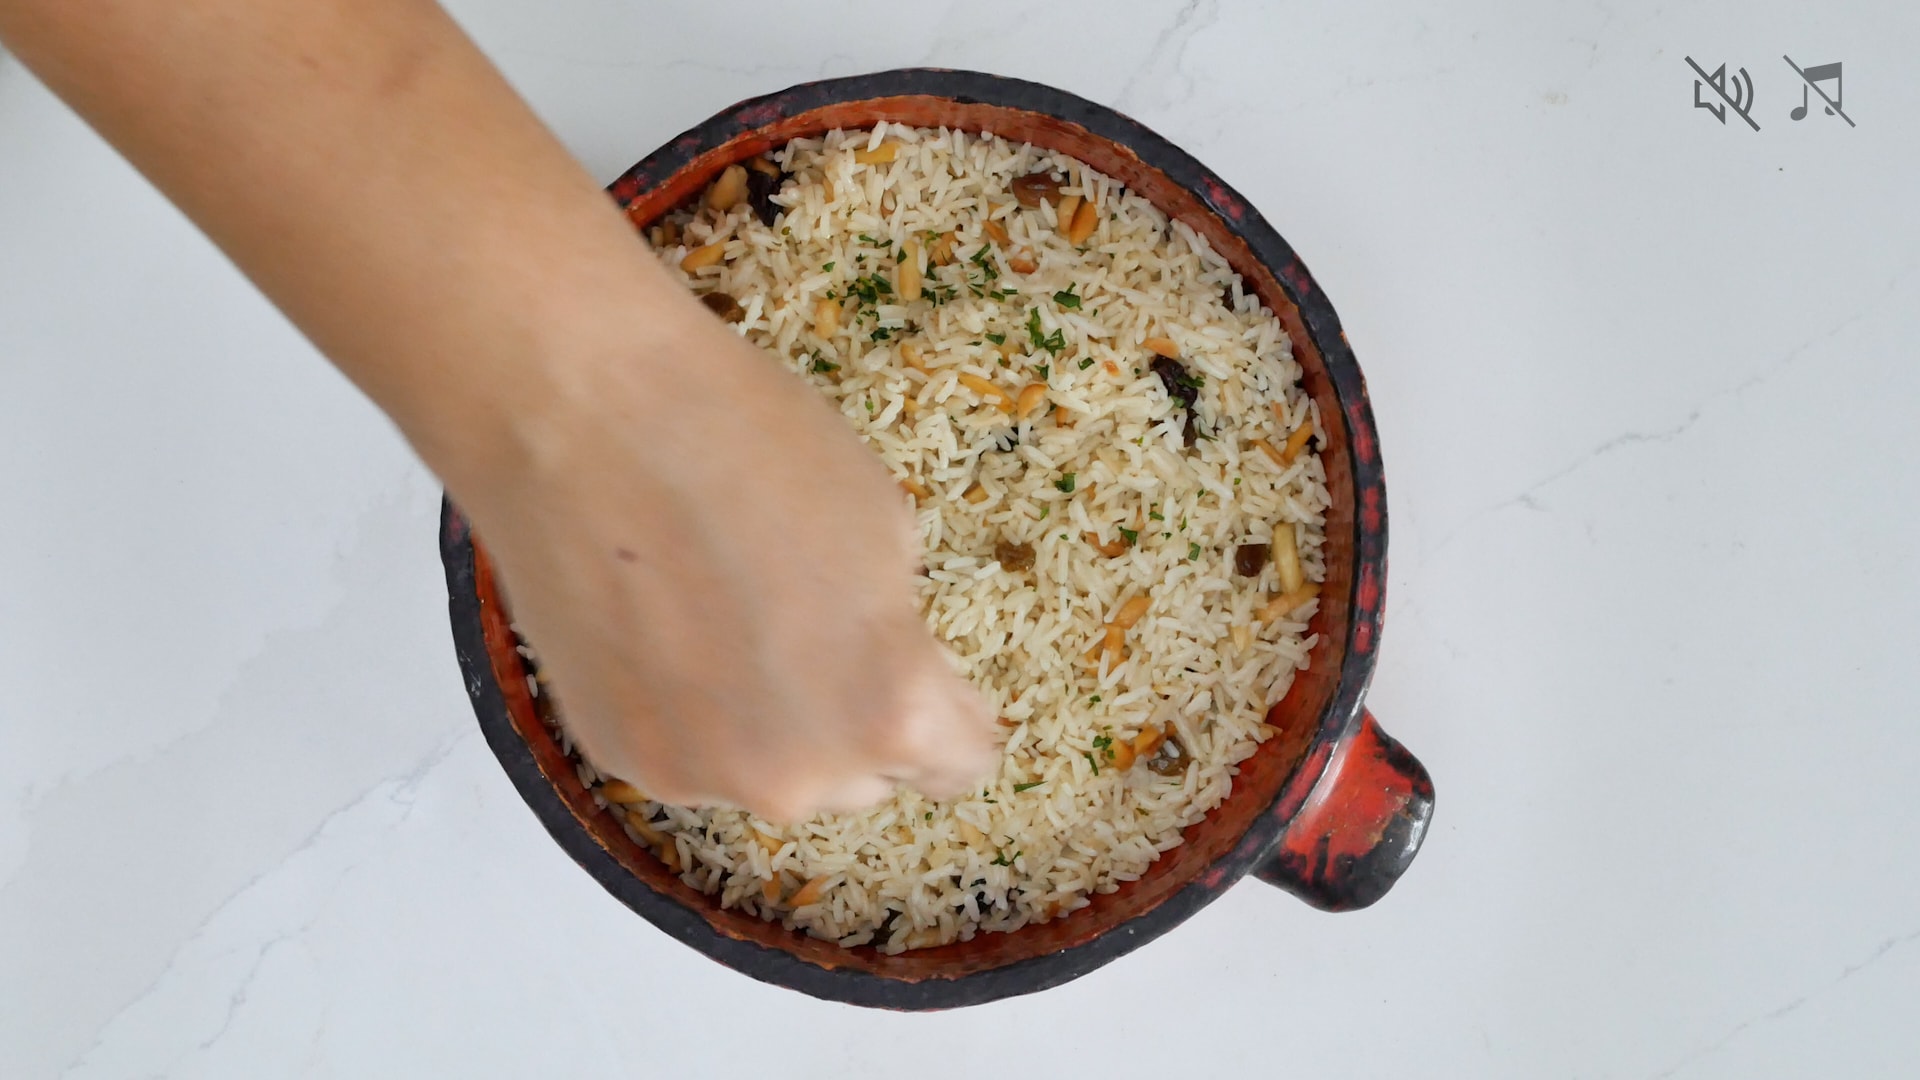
{"x":1813,"y":76}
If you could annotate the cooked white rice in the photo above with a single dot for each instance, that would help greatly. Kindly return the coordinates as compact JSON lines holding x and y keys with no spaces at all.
{"x":1065,"y":815}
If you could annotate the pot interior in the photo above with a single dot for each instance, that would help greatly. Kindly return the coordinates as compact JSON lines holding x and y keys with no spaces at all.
{"x":1301,"y":718}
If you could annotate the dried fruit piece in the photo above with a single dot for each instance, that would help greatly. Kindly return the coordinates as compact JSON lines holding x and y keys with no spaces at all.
{"x":724,"y":306}
{"x":1249,"y":559}
{"x":1012,"y":556}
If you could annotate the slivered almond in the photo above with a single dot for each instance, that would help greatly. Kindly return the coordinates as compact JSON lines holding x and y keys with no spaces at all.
{"x":810,"y":892}
{"x":702,"y":257}
{"x":1109,"y":367}
{"x":1288,"y":602}
{"x":996,"y":232}
{"x":670,"y":854}
{"x":1023,"y":262}
{"x":1032,"y":396}
{"x":1121,"y":755}
{"x":1242,"y":637}
{"x":1062,"y":416}
{"x":648,"y":834}
{"x":1130,"y":612}
{"x":619,"y":791}
{"x":826,"y":318}
{"x":1162,"y":346}
{"x":910,"y":356}
{"x":879,"y":155}
{"x":968,"y":833}
{"x":1297,"y":441}
{"x":1007,"y":722}
{"x":770,"y":892}
{"x":1112,"y":549}
{"x":910,"y":407}
{"x":1268,"y":449}
{"x":1000,"y":398}
{"x":906,"y":281}
{"x":771,"y":844}
{"x":975,"y":494}
{"x":914,"y":488}
{"x":1114,"y":645}
{"x":1063,"y":213}
{"x":1286,"y":558}
{"x":1085,"y":220}
{"x":727,"y":191}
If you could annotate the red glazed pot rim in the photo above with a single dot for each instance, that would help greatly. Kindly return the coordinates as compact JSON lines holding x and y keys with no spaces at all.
{"x":1356,"y":848}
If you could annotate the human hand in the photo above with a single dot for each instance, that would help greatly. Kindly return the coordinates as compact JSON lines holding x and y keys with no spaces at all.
{"x":718,"y":578}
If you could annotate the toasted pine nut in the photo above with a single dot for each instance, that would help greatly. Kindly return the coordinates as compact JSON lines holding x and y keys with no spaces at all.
{"x":826,"y":318}
{"x":879,"y":155}
{"x":619,"y":791}
{"x":975,"y":494}
{"x":1063,"y":213}
{"x":770,"y":892}
{"x":1163,"y":346}
{"x":1130,"y":612}
{"x":996,"y":232}
{"x":1242,"y":637}
{"x":1268,"y":449}
{"x":968,"y":833}
{"x":1031,"y":397}
{"x":1085,"y":220}
{"x":940,"y":252}
{"x":810,"y":892}
{"x":906,"y":280}
{"x":1288,"y":602}
{"x":1112,"y":549}
{"x":1286,"y":558}
{"x":1062,"y":416}
{"x":1023,"y":262}
{"x":1297,"y":441}
{"x":702,"y":257}
{"x":727,"y":192}
{"x":1000,"y":398}
{"x":1121,"y":755}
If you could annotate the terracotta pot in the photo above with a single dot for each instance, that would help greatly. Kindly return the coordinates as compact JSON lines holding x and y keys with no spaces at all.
{"x":1330,"y":809}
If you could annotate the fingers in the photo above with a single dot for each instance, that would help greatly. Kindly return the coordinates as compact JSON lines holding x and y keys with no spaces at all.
{"x":940,"y":738}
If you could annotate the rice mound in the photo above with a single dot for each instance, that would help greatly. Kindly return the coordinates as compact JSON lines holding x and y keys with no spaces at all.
{"x":1091,"y":477}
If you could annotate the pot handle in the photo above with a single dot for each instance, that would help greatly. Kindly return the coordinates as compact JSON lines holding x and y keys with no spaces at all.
{"x":1360,"y":827}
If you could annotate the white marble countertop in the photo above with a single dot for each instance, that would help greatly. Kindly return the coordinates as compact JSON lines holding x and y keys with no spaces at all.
{"x":1650,"y":404}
